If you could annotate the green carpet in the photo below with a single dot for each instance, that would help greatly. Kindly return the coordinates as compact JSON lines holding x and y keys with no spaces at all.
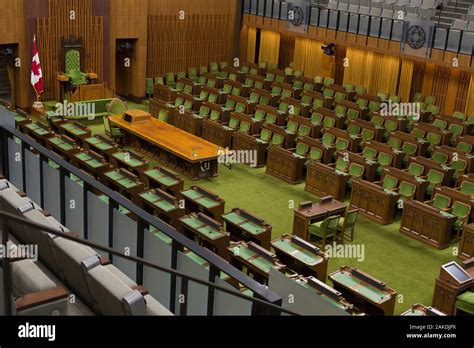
{"x":408,"y":266}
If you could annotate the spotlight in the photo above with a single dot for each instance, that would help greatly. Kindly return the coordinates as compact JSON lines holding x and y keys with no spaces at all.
{"x":329,"y":49}
{"x":6,"y":51}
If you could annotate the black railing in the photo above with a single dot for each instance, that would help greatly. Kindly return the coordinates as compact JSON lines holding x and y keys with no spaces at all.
{"x":143,"y":218}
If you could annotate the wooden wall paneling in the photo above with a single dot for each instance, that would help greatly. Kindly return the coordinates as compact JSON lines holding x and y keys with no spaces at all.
{"x":440,"y":83}
{"x":418,"y":78}
{"x":452,"y":91}
{"x":462,"y":91}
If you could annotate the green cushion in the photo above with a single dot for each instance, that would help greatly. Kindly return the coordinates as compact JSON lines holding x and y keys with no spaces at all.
{"x":465,"y":302}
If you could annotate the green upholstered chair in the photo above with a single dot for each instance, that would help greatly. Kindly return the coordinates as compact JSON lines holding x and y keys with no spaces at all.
{"x":298,"y":73}
{"x":377,"y":121}
{"x":292,"y":127}
{"x":340,"y":110}
{"x":211,"y":83}
{"x":353,"y":129}
{"x":328,"y":81}
{"x":192,"y":74}
{"x":223,"y":65}
{"x":394,"y":143}
{"x":244,"y":127}
{"x":389,"y":182}
{"x":435,"y":179}
{"x":459,"y":167}
{"x":204,"y":112}
{"x":433,"y":109}
{"x":382,"y":95}
{"x":346,"y":224}
{"x":270,"y":77}
{"x":203,"y":95}
{"x":418,"y":132}
{"x":258,"y":84}
{"x":316,"y":118}
{"x":286,"y":93}
{"x":374,"y":106}
{"x":236,"y":91}
{"x":163,"y":115}
{"x":170,"y":81}
{"x":410,"y":149}
{"x":369,"y":153}
{"x":385,"y":159}
{"x":430,"y":100}
{"x":116,"y":107}
{"x":367,"y":135}
{"x":406,"y":190}
{"x":341,"y":145}
{"x":315,"y":154}
{"x":338,"y":96}
{"x":188,"y":89}
{"x":214,"y":68}
{"x":114,"y":132}
{"x":304,"y":131}
{"x":178,"y":101}
{"x":464,"y":147}
{"x":301,"y":150}
{"x":278,"y":139}
{"x":215,"y":115}
{"x":418,"y":97}
{"x":265,"y":135}
{"x":259,"y":116}
{"x":181,"y":75}
{"x":439,"y":157}
{"x":327,"y":140}
{"x":289,"y":71}
{"x":360,"y":90}
{"x":394,"y":98}
{"x":318,"y":103}
{"x":459,"y":115}
{"x":308,"y":87}
{"x":457,"y":131}
{"x":179,"y":87}
{"x":306,"y":100}
{"x":415,"y":169}
{"x":263,"y":65}
{"x":462,"y":212}
{"x":279,"y":78}
{"x":149,"y":87}
{"x":227,"y":89}
{"x":73,"y":68}
{"x":328,"y":93}
{"x":270,"y":119}
{"x":188,"y":105}
{"x":245,"y":69}
{"x":441,"y":202}
{"x":329,"y":122}
{"x":264,"y":100}
{"x":465,"y":302}
{"x":254,"y":97}
{"x":212,"y":98}
{"x":391,"y":125}
{"x":234,"y":123}
{"x":342,"y":165}
{"x":318,"y":79}
{"x":203,"y":69}
{"x":276,"y":91}
{"x":159,"y":80}
{"x":202,"y":80}
{"x":441,"y":124}
{"x":362,"y":103}
{"x":349,"y":87}
{"x":321,"y":231}
{"x":239,"y":107}
{"x":467,"y":187}
{"x":283,"y":107}
{"x":434,"y":139}
{"x":356,"y":171}
{"x":352,"y":114}
{"x":298,"y":84}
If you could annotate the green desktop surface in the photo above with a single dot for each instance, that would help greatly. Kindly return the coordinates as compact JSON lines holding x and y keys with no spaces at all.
{"x":126,"y":158}
{"x":294,"y":250}
{"x":192,"y":194}
{"x":73,"y":129}
{"x":114,"y":175}
{"x":326,"y":298}
{"x":365,"y":290}
{"x":234,"y":218}
{"x":253,"y":258}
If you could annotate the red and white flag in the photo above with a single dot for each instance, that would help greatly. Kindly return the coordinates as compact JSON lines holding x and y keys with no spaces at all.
{"x":36,"y":72}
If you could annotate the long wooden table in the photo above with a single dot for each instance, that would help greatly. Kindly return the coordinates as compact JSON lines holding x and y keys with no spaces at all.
{"x":183,"y":152}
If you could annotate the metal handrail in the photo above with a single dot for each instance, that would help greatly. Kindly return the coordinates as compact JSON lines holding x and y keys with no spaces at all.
{"x":89,"y":181}
{"x":41,"y":229}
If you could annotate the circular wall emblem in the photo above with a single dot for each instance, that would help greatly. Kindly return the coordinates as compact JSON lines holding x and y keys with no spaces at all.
{"x":296,"y":16}
{"x":416,"y":37}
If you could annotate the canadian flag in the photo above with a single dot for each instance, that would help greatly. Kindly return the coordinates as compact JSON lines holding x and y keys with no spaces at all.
{"x":36,"y":73}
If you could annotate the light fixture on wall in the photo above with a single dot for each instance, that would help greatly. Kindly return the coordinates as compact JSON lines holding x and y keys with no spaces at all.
{"x":6,"y":51}
{"x":124,"y":46}
{"x":329,"y":49}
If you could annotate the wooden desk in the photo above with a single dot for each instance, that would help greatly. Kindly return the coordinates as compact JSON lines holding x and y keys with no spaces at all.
{"x":164,"y":179}
{"x":187,"y":121}
{"x":427,"y":224}
{"x":124,"y":182}
{"x":76,"y":131}
{"x":421,"y":144}
{"x":370,"y":166}
{"x":377,"y":131}
{"x":308,"y":212}
{"x":397,"y":155}
{"x":199,"y":200}
{"x":162,"y":204}
{"x":400,"y":175}
{"x":370,"y":295}
{"x":466,"y":245}
{"x":373,"y":201}
{"x":91,"y":162}
{"x":353,"y":142}
{"x":242,"y":225}
{"x":255,"y":259}
{"x":451,"y":152}
{"x":63,"y":146}
{"x":182,"y":151}
{"x":101,"y":145}
{"x":328,"y":293}
{"x":430,"y":164}
{"x":38,"y":131}
{"x":429,"y":128}
{"x":217,"y":133}
{"x":207,"y":232}
{"x":129,"y":160}
{"x":163,"y":93}
{"x":452,"y":281}
{"x":323,"y":180}
{"x":285,"y":165}
{"x":301,"y":256}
